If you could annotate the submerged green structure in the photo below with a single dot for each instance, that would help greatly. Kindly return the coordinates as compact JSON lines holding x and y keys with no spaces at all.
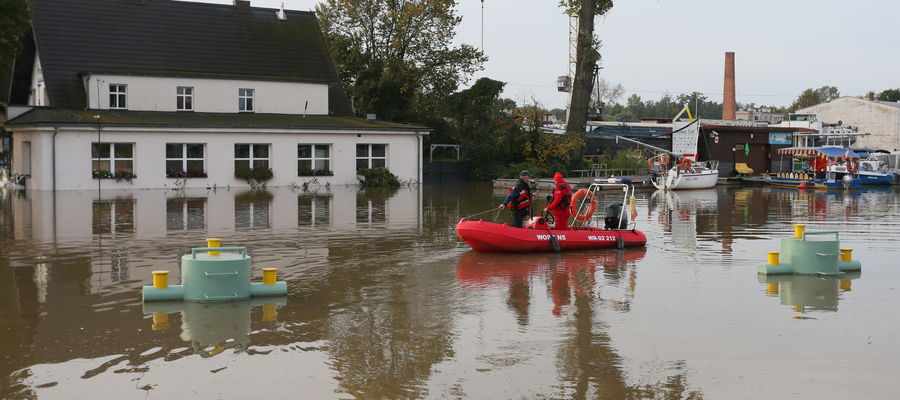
{"x":208,"y":275}
{"x":810,"y":253}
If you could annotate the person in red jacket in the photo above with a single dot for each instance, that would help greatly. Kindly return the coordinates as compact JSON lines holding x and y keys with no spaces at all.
{"x":562,"y":194}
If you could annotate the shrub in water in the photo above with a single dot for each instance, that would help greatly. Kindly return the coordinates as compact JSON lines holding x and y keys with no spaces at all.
{"x":376,"y":177}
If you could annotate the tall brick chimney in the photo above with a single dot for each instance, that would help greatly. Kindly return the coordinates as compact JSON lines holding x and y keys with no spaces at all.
{"x":729,"y":103}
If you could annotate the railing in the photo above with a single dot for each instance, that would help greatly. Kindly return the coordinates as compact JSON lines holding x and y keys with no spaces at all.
{"x":607,"y":172}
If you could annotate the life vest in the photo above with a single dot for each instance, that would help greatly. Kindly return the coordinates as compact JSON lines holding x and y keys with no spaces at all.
{"x":567,"y":197}
{"x":523,"y":201}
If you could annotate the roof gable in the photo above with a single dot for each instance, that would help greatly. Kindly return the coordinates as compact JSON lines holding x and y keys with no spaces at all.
{"x":75,"y":37}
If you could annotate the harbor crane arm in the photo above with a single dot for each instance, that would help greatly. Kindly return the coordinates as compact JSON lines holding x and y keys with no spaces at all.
{"x":683,"y":110}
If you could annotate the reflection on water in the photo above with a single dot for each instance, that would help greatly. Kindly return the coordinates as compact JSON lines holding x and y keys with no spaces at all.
{"x":113,"y":217}
{"x":183,"y":213}
{"x":211,"y":328}
{"x":385,"y":302}
{"x":809,"y":293}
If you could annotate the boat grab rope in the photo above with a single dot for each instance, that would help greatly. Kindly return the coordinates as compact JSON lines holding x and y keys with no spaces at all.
{"x":484,"y":212}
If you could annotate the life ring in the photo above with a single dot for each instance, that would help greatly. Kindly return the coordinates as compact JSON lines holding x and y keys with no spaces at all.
{"x":685,"y":163}
{"x":577,"y":203}
{"x":852,"y":167}
{"x":664,"y":159}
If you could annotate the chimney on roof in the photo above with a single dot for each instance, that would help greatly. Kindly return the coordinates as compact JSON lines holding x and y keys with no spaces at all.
{"x":729,"y":102}
{"x":242,"y":4}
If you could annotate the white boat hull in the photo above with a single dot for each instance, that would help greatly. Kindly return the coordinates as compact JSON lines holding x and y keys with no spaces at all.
{"x":687,"y":180}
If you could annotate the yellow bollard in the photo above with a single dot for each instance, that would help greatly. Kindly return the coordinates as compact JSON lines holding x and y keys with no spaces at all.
{"x":270,"y":313}
{"x":213,"y":242}
{"x":160,"y":279}
{"x":846,"y":255}
{"x":772,"y":289}
{"x":798,"y":230}
{"x":269,"y":275}
{"x":160,"y":321}
{"x":774,"y":258}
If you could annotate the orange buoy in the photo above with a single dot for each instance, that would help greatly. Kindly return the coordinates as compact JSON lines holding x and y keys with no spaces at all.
{"x":685,"y":163}
{"x":578,"y":199}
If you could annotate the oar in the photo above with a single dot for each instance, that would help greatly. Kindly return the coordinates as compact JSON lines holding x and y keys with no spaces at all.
{"x":553,"y":241}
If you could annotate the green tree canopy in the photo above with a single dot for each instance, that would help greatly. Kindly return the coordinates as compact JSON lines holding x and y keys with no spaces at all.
{"x":889,"y":95}
{"x":811,"y":97}
{"x":15,"y":19}
{"x":395,"y":56}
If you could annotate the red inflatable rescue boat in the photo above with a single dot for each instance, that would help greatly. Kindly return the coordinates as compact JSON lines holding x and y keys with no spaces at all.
{"x":490,"y":237}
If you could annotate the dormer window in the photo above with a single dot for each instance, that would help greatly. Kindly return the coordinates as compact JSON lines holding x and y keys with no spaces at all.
{"x":117,"y":93}
{"x":184,"y":96}
{"x":245,"y":100}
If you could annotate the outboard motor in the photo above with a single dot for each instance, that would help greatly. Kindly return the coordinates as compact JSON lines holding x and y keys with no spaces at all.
{"x":613,"y":212}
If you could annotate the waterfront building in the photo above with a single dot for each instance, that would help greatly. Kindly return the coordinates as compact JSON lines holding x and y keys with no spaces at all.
{"x":731,"y":142}
{"x":162,"y":93}
{"x":879,"y":119}
{"x":759,"y":115}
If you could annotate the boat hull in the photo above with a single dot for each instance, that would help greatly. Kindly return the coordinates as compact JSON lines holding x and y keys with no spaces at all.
{"x":688,"y":181}
{"x":490,"y":237}
{"x":876,"y":178}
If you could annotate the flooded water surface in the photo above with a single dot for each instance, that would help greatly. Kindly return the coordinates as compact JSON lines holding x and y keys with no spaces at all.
{"x":385,"y":302}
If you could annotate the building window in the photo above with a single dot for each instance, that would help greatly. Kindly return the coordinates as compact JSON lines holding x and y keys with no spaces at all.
{"x":117,"y":93}
{"x":185,"y":160}
{"x":245,"y":100}
{"x":251,"y":156}
{"x":371,"y":156}
{"x":112,"y":160}
{"x":313,"y":159}
{"x":184,"y":96}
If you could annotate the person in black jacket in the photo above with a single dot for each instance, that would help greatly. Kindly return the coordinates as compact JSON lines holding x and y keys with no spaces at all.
{"x":518,"y":199}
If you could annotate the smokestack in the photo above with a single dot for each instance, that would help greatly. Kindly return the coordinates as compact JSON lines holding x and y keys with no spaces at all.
{"x":729,"y":103}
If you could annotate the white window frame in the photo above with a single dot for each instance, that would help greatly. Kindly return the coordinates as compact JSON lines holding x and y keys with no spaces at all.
{"x":121,"y":97}
{"x":252,"y":159}
{"x":245,"y":94}
{"x":184,"y":93}
{"x":312,"y":156}
{"x":184,"y":157}
{"x":112,"y":156}
{"x":369,"y":156}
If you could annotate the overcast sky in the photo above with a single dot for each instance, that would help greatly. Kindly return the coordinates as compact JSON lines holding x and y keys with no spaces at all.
{"x":654,"y":47}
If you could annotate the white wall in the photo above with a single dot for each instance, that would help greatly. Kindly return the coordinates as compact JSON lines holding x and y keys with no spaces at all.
{"x":73,"y":156}
{"x":210,"y":95}
{"x":882,"y":121}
